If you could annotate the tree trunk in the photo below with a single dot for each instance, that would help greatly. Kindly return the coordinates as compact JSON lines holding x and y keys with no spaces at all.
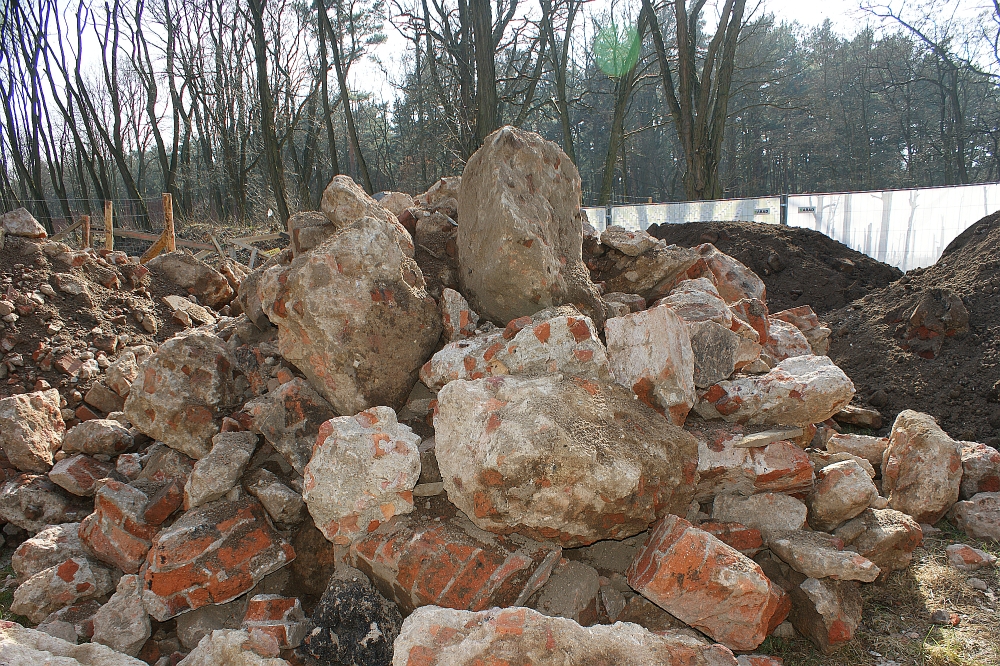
{"x":272,"y":153}
{"x":486,"y":75}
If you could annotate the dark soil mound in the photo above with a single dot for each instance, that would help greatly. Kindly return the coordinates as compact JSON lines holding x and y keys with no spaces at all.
{"x":960,"y":385}
{"x":799,"y":266}
{"x":81,"y":322}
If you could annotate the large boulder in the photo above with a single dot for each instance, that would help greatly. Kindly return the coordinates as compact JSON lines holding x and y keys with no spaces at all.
{"x":31,"y":429}
{"x":921,"y":468}
{"x":842,"y":491}
{"x":520,"y":241}
{"x":798,"y":392}
{"x":566,"y":459}
{"x":20,"y":222}
{"x":650,"y":353}
{"x":196,"y":277}
{"x":354,"y":317}
{"x":361,"y":474}
{"x":707,"y":584}
{"x":183,"y":389}
{"x":435,"y":636}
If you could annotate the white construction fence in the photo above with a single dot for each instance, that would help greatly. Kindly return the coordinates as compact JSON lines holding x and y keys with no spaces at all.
{"x":904,"y":228}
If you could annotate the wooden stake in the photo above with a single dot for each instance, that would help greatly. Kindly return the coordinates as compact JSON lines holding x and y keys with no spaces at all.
{"x":168,"y":222}
{"x":86,"y":232}
{"x":109,"y":226}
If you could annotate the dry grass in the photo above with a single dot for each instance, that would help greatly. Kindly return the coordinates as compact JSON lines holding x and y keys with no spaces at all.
{"x":903,"y":605}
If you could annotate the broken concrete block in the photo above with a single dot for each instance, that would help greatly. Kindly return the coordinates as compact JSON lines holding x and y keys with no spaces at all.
{"x":512,"y":458}
{"x":353,"y":315}
{"x":719,"y":352}
{"x":520,"y":241}
{"x":459,"y":319}
{"x":722,"y":592}
{"x":80,"y":474}
{"x":211,"y":555}
{"x":821,"y":555}
{"x":434,"y":636}
{"x":98,"y":436}
{"x":284,"y":505}
{"x":50,"y":547}
{"x":804,"y":319}
{"x":194,"y":276}
{"x":785,"y":341}
{"x":651,"y":354}
{"x":870,"y":448}
{"x":552,"y":340}
{"x":32,"y":502}
{"x":980,"y":469}
{"x":416,"y":561}
{"x":116,"y":532}
{"x":289,"y":418}
{"x":20,"y":222}
{"x":922,"y":468}
{"x":979,"y":517}
{"x":184,"y":387}
{"x":31,"y":429}
{"x":25,"y":647}
{"x":123,"y":623}
{"x":842,"y":491}
{"x":733,"y":280}
{"x":278,"y":616}
{"x":771,"y":513}
{"x":886,"y":537}
{"x":799,"y":391}
{"x":571,"y":592}
{"x":217,"y":473}
{"x":75,"y":579}
{"x":361,"y":474}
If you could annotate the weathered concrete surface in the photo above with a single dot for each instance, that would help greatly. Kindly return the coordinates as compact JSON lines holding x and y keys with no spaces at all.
{"x":922,"y":468}
{"x":651,"y":354}
{"x":434,"y":636}
{"x":771,"y":513}
{"x":804,"y":319}
{"x":345,"y":202}
{"x":566,"y":459}
{"x":842,"y":491}
{"x":31,"y":429}
{"x":361,"y":474}
{"x":289,"y":418}
{"x":884,"y":536}
{"x":354,"y":317}
{"x":798,"y":392}
{"x":123,"y":623}
{"x":870,"y":448}
{"x":980,"y":469}
{"x":520,"y":240}
{"x":20,"y":646}
{"x":20,"y":222}
{"x":215,"y":474}
{"x":74,"y":579}
{"x":196,"y":277}
{"x":185,"y":386}
{"x":733,"y":280}
{"x":979,"y":516}
{"x":552,"y":340}
{"x":722,"y":592}
{"x":784,"y":340}
{"x":821,"y":555}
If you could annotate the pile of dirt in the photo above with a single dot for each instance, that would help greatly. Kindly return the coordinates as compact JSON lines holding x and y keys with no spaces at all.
{"x":799,"y":266}
{"x":960,"y":384}
{"x":96,"y":308}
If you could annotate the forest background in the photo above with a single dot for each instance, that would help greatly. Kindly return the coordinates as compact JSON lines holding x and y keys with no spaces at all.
{"x":245,"y":109}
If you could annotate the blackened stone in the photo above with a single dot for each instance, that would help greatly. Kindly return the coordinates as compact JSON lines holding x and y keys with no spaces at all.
{"x":354,"y":624}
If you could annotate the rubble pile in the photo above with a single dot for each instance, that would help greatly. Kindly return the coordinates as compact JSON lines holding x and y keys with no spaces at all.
{"x":456,"y":429}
